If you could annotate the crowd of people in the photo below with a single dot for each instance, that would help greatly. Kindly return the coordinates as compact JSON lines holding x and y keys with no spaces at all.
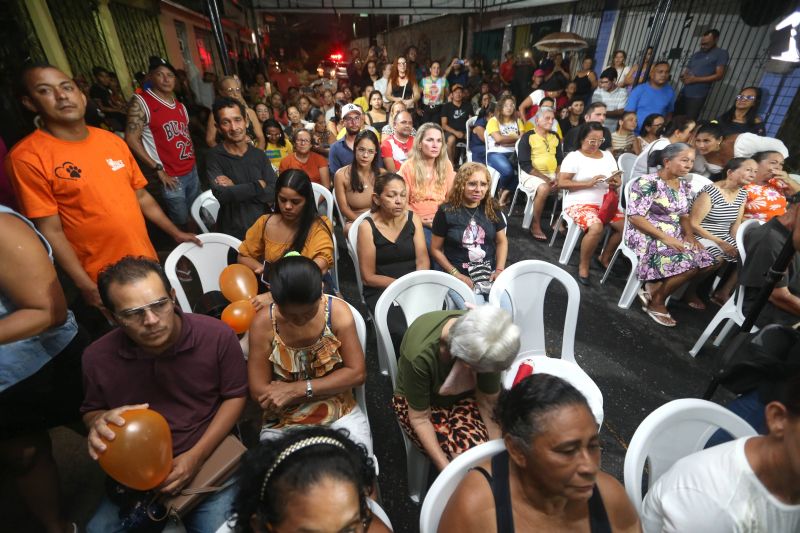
{"x":420,"y":158}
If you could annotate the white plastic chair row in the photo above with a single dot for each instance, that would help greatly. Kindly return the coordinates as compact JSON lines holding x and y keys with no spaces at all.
{"x":205,"y":200}
{"x":325,"y":194}
{"x":527,"y":213}
{"x":574,"y":233}
{"x":732,"y":311}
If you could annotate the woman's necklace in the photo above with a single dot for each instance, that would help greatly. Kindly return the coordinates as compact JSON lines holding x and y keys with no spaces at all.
{"x":472,"y":215}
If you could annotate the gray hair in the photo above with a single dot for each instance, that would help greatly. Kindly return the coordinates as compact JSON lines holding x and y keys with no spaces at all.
{"x":485,"y":338}
{"x":540,"y":113}
{"x":669,"y":152}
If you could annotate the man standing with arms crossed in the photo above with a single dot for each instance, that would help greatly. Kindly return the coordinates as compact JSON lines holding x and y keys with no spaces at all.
{"x":80,"y":185}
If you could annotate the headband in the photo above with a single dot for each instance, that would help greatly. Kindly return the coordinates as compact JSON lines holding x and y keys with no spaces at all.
{"x":296,"y":447}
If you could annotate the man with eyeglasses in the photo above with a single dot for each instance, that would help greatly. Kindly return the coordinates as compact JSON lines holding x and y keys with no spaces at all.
{"x":396,"y":147}
{"x":240,"y":174}
{"x":341,"y":152}
{"x":706,"y":66}
{"x":187,"y":367}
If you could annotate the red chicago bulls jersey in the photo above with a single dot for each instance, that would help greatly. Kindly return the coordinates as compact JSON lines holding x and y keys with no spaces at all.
{"x":166,"y":133}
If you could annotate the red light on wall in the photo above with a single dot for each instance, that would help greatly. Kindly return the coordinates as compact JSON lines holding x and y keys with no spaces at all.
{"x":336,"y":57}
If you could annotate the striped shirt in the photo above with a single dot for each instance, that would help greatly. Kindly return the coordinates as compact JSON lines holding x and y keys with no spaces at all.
{"x":721,"y":218}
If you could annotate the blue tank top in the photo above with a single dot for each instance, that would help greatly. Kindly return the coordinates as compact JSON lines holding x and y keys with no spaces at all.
{"x":23,"y":358}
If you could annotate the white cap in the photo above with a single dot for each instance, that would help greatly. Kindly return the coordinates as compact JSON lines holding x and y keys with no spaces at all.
{"x":349,"y":108}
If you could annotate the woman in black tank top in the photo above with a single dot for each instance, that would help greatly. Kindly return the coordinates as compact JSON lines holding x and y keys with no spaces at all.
{"x":549,"y":477}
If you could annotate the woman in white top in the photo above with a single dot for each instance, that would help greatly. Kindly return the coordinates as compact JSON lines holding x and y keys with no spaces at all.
{"x":383,"y":82}
{"x":587,"y":173}
{"x":502,"y":133}
{"x":618,"y":64}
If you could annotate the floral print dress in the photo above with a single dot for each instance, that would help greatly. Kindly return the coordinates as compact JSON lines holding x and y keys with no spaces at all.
{"x":650,"y":197}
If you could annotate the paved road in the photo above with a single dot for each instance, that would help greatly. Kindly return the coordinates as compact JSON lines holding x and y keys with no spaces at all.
{"x":637,"y":364}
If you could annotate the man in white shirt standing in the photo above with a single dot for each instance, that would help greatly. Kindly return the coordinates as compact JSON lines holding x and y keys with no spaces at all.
{"x":748,"y":485}
{"x":614,"y":97}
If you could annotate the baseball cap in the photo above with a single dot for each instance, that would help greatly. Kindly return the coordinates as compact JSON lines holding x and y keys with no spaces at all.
{"x":538,"y":72}
{"x":156,"y":62}
{"x":350,"y":108}
{"x":456,"y":86}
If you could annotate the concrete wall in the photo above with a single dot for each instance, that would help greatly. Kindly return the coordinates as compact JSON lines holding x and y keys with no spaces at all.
{"x":436,"y":38}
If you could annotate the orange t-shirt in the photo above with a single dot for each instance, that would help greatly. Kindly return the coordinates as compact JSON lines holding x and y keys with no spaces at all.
{"x":91,"y":184}
{"x":425,"y":202}
{"x":310,"y":167}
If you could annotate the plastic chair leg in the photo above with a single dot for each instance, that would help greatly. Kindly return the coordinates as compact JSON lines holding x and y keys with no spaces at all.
{"x":527,"y":214}
{"x":724,"y":333}
{"x":418,"y":466}
{"x":555,"y":231}
{"x":383,"y":363}
{"x":610,"y":265}
{"x":630,"y":290}
{"x":513,"y":201}
{"x":573,"y":236}
{"x":726,"y":313}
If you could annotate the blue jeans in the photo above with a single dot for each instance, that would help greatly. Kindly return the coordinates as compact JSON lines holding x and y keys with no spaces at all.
{"x":207,"y":517}
{"x":179,"y":200}
{"x":502,"y":164}
{"x":750,"y":407}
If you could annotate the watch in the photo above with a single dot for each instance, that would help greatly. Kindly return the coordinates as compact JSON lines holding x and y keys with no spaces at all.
{"x":309,"y":390}
{"x":159,"y":167}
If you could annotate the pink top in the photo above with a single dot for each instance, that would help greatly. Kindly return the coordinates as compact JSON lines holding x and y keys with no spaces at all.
{"x":424,"y":202}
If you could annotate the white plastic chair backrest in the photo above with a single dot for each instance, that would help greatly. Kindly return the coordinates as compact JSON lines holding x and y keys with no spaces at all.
{"x":526,"y":283}
{"x":448,"y":479}
{"x":326,"y":195}
{"x":416,"y":293}
{"x":208,"y":200}
{"x":671,"y":432}
{"x":741,"y":234}
{"x":625,"y":164}
{"x":352,"y":243}
{"x":209,"y":261}
{"x":379,"y":513}
{"x":470,"y":125}
{"x":361,"y":331}
{"x":566,"y":370}
{"x":696,"y":182}
{"x":516,"y":153}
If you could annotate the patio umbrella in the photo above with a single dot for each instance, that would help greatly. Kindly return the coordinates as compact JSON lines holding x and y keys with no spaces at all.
{"x":561,"y":41}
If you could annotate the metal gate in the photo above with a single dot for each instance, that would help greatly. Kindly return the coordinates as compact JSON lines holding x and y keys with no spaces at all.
{"x":139,"y":35}
{"x":80,"y":33}
{"x":684,"y":25}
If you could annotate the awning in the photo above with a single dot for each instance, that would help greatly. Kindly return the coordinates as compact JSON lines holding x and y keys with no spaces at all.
{"x":396,"y":7}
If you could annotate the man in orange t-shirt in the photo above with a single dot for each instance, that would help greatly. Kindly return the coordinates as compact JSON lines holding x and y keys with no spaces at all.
{"x":81,"y":185}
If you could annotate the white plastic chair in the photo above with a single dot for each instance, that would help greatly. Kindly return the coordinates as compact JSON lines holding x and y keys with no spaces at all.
{"x":527,"y":213}
{"x":493,"y":173}
{"x":325,"y":194}
{"x":470,"y":124}
{"x":625,"y":164}
{"x":671,"y":432}
{"x":732,"y":311}
{"x":209,"y":261}
{"x":566,"y":370}
{"x":416,"y":293}
{"x":352,"y":250}
{"x":448,"y":479}
{"x":526,"y":284}
{"x":210,"y":203}
{"x":633,"y":283}
{"x":574,"y":233}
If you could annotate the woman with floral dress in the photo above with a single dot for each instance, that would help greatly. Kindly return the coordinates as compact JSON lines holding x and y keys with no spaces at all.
{"x":660,"y":231}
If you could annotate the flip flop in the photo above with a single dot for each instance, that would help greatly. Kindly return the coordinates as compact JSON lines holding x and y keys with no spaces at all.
{"x":644,"y":297}
{"x":699,"y":306}
{"x":664,"y":319}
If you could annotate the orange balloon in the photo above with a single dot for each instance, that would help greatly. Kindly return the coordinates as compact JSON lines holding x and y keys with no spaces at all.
{"x":140,"y":456}
{"x":239,"y":315}
{"x":237,"y":282}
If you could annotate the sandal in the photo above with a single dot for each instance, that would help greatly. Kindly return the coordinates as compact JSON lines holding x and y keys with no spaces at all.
{"x":697,"y":305}
{"x":664,"y":319}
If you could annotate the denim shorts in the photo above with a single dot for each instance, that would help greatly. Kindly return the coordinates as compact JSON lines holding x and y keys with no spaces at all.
{"x":179,"y":200}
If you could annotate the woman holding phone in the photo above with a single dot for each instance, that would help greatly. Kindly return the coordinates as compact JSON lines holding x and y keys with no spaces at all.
{"x":587,"y":174}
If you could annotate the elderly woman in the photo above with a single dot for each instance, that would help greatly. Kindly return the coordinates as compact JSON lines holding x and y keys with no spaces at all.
{"x":230,"y":87}
{"x":449,"y":378}
{"x":549,"y":476}
{"x":587,"y":174}
{"x":309,"y":479}
{"x":717,"y":212}
{"x":766,"y":194}
{"x":428,"y":174}
{"x":469,"y":240}
{"x":354,"y":183}
{"x":305,"y":357}
{"x":661,"y":232}
{"x":539,"y":154}
{"x":302,"y":158}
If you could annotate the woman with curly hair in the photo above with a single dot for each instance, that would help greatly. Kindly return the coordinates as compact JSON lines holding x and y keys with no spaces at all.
{"x":469,"y":240}
{"x":312,"y":479}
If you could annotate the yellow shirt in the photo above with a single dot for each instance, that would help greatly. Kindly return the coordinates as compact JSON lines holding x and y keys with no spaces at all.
{"x":361,"y":102}
{"x":543,"y":152}
{"x":257,"y":244}
{"x":276,"y":153}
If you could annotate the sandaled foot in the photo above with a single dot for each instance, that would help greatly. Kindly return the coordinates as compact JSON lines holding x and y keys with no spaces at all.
{"x":697,"y":304}
{"x":644,"y":297}
{"x":664,"y":319}
{"x":538,"y":235}
{"x":716,"y":300}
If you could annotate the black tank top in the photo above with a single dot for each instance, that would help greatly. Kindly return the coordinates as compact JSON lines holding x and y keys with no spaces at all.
{"x":393,"y":259}
{"x":583,"y":87}
{"x":501,"y":490}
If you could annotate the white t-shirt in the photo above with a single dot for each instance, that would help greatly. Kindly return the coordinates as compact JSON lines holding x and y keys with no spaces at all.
{"x":536,"y":96}
{"x":585,"y":168}
{"x":716,"y":491}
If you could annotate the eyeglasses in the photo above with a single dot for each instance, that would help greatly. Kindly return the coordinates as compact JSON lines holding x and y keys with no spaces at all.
{"x":354,"y":118}
{"x":233,"y":90}
{"x":594,"y":142}
{"x":136,"y":315}
{"x":747,"y":97}
{"x":365,"y":151}
{"x":302,"y":141}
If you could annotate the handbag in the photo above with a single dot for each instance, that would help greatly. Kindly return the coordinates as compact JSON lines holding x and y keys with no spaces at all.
{"x":609,"y":206}
{"x":212,"y":477}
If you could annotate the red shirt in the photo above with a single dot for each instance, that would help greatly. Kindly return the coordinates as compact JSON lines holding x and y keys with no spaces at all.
{"x":166,"y":133}
{"x":507,"y":71}
{"x":392,"y":147}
